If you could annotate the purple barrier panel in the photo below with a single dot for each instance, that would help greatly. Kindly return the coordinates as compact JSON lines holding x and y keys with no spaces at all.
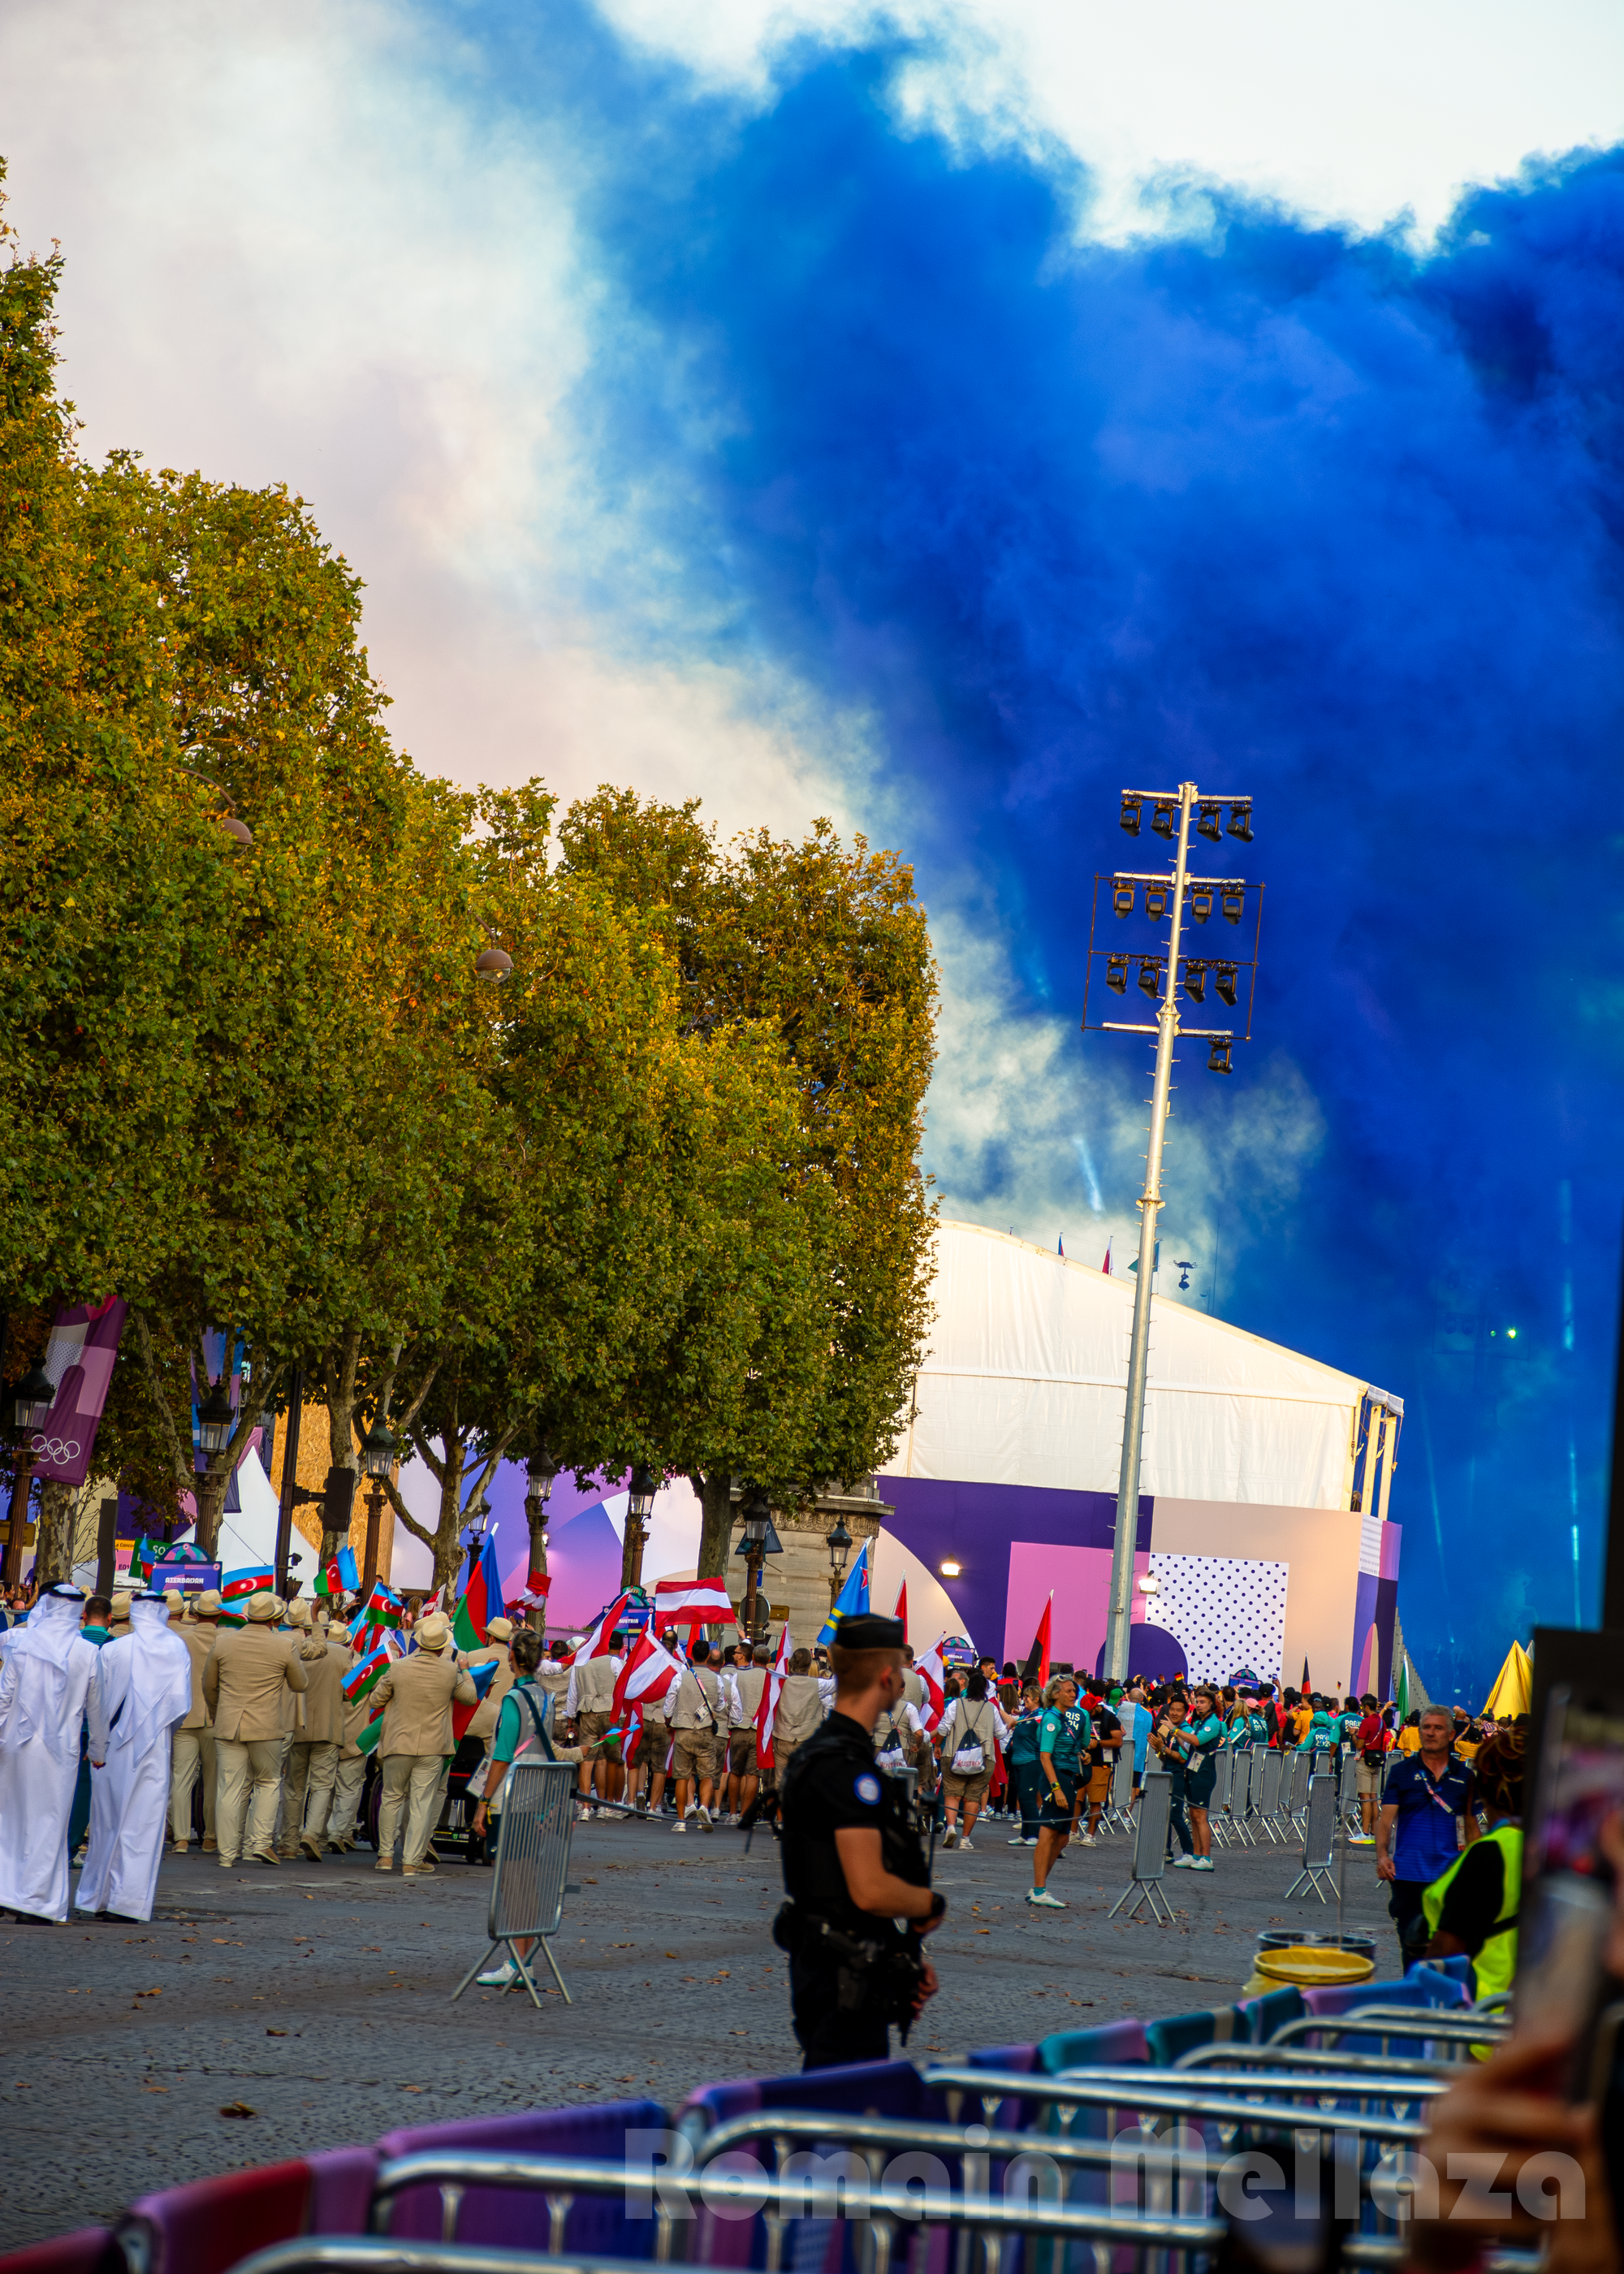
{"x":341,"y":2190}
{"x":211,"y":2225}
{"x":514,"y":2218}
{"x":92,"y":2250}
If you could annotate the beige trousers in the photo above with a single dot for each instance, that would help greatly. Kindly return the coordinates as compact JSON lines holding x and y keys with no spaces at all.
{"x":312,"y":1770}
{"x":411,"y":1782}
{"x":347,"y":1796}
{"x":238,"y":1768}
{"x":194,"y":1757}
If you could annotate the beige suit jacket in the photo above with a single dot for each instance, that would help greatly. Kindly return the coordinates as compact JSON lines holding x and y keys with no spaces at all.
{"x":484,"y":1723}
{"x":418,"y":1693}
{"x":325,"y":1665}
{"x":247,"y":1674}
{"x":199,"y":1637}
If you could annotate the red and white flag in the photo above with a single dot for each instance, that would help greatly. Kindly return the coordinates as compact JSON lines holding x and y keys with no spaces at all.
{"x":691,"y":1603}
{"x":768,"y":1705}
{"x":596,"y":1642}
{"x":933,"y":1673}
{"x":901,"y":1611}
{"x":535,"y":1590}
{"x":650,"y":1671}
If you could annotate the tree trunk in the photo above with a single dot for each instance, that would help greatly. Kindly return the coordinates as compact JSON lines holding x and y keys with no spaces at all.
{"x":447,"y":1541}
{"x":716,"y":1526}
{"x":53,"y":1540}
{"x":537,"y":1616}
{"x":210,"y":1489}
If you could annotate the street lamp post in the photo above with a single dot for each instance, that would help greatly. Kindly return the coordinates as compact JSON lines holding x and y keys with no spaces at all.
{"x":1176,"y":897}
{"x":639,"y":1511}
{"x":537,"y":1492}
{"x":379,"y":1448}
{"x":840,"y":1551}
{"x":30,"y":1404}
{"x":755,"y":1546}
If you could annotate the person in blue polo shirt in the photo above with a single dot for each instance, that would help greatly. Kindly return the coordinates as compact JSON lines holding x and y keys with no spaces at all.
{"x":1429,"y":1796}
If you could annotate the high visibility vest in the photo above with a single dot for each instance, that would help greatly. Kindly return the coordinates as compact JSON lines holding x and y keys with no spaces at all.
{"x":1496,"y":1962}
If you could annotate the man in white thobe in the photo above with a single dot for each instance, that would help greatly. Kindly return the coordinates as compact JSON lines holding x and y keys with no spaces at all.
{"x":146,"y":1695}
{"x":49,"y":1685}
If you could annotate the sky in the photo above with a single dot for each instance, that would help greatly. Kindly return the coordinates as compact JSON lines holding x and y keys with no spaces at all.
{"x":942,"y":418}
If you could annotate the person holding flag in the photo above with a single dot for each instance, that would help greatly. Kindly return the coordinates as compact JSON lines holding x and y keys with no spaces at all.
{"x":588,"y":1704}
{"x":417,"y":1738}
{"x":312,"y":1773}
{"x":853,"y":1601}
{"x":649,"y":1675}
{"x":521,"y":1728}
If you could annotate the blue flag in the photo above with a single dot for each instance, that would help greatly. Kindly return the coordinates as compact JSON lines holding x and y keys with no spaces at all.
{"x":853,"y":1598}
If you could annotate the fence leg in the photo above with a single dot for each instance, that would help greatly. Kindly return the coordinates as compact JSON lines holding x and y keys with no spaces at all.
{"x":546,"y":1952}
{"x":477,"y":1967}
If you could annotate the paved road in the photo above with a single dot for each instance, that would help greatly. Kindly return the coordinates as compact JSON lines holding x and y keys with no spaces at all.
{"x":318,"y":1997}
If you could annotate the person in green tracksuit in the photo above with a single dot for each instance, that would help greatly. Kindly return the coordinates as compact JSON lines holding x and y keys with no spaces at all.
{"x":1472,"y":1909}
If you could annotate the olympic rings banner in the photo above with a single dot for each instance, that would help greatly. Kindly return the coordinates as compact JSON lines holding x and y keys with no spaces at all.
{"x":78,"y":1358}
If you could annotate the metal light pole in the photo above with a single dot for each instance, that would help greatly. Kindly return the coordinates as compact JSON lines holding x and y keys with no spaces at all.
{"x":1163,"y":895}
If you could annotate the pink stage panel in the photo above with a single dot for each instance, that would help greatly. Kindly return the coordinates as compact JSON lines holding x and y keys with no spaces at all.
{"x":1082,"y":1580}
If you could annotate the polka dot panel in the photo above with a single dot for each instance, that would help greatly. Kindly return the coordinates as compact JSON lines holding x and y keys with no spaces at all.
{"x":1227,"y":1611}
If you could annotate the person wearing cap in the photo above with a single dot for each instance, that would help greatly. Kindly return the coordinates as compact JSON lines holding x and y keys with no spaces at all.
{"x":118,"y":1623}
{"x":50,"y":1682}
{"x":245,"y":1676}
{"x":588,"y":1704}
{"x":311,"y":1771}
{"x":856,"y":1872}
{"x":146,"y":1683}
{"x":194,"y":1740}
{"x":497,"y":1652}
{"x":692,"y":1705}
{"x":416,"y":1741}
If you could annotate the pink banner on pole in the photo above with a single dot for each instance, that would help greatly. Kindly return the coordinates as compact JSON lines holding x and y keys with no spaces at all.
{"x":78,"y":1358}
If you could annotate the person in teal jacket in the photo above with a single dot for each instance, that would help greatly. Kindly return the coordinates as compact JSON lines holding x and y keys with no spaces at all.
{"x":1322,"y":1734}
{"x":1205,"y":1733}
{"x":1021,"y":1758}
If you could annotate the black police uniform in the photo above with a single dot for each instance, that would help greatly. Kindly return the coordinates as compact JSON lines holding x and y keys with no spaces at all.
{"x":851,"y":1974}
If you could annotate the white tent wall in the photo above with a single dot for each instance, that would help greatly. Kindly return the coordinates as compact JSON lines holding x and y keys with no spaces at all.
{"x":1024,"y":1384}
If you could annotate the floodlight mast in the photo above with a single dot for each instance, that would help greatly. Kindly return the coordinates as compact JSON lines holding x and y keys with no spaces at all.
{"x":1139,"y":1351}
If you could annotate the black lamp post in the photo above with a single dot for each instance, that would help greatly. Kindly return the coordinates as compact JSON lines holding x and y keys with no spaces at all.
{"x":840,"y":1551}
{"x":639,"y":1510}
{"x":755,"y":1546}
{"x":378,"y":1450}
{"x":28,"y":1409}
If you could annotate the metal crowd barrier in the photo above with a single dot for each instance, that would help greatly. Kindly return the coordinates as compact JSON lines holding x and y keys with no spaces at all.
{"x":532,"y":1865}
{"x":1450,"y":2025}
{"x":1319,"y":1839}
{"x":1295,"y":1795}
{"x":1119,"y":1815}
{"x":781,"y":2198}
{"x":376,"y":2254}
{"x":1150,"y":1840}
{"x":1268,"y":1794}
{"x":1288,"y":2057}
{"x":1218,"y":1806}
{"x":1166,"y":2092}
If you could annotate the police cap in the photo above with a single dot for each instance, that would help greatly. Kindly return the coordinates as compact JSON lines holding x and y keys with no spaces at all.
{"x":868,"y":1631}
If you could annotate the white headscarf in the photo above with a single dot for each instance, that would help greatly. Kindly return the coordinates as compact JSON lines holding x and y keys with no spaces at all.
{"x":33,"y":1675}
{"x":145,"y":1677}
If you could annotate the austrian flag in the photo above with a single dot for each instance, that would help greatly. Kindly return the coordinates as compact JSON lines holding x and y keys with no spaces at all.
{"x":650,"y":1671}
{"x":691,"y":1603}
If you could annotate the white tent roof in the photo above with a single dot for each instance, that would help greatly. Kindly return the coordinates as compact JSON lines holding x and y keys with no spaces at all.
{"x":1025,"y":1376}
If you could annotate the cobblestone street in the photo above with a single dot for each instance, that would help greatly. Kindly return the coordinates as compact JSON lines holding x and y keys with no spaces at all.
{"x":318,"y":1997}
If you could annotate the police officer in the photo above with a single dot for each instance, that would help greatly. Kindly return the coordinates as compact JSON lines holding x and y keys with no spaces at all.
{"x":855,"y":1865}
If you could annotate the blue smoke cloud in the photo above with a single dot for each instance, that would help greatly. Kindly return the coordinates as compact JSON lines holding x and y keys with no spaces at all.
{"x":1260,"y":503}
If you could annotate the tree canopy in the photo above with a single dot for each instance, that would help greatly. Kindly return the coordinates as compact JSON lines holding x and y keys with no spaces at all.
{"x":651,"y":1199}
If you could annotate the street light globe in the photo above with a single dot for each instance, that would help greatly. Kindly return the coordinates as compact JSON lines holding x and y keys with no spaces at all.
{"x":214,"y":1419}
{"x":33,"y":1398}
{"x":378,"y":1450}
{"x":840,"y":1546}
{"x":644,"y":1489}
{"x":494,"y":965}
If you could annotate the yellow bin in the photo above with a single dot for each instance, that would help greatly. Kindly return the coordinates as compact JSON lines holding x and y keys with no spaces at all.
{"x":1307,"y":1966}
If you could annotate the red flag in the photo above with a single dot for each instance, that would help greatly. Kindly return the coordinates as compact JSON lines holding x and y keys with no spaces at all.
{"x":1038,"y":1655}
{"x":1106,"y":1265}
{"x":901,"y":1611}
{"x":768,"y":1705}
{"x":598,"y":1639}
{"x":933,"y":1673}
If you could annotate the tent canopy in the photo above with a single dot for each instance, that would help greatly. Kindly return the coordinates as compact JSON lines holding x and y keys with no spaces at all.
{"x":1514,"y":1686}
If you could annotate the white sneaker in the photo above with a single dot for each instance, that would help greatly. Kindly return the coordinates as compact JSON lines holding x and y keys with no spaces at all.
{"x":966,"y":1845}
{"x":681,"y":1825}
{"x":950,"y":1838}
{"x":702,"y":1822}
{"x":583,"y":1816}
{"x":498,"y":1978}
{"x":1086,"y":1840}
{"x":1202,"y":1863}
{"x":1042,"y":1900}
{"x":1184,"y":1863}
{"x":1019,"y":1842}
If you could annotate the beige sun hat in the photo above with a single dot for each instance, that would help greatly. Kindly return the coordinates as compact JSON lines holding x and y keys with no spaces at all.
{"x":174,"y":1601}
{"x":119,"y":1616}
{"x":434,"y":1632}
{"x":206,"y":1605}
{"x":264,"y":1609}
{"x":298,"y":1612}
{"x":498,"y":1630}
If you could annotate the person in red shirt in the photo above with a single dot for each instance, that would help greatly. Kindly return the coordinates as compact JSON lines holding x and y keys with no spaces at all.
{"x":1372,"y":1742}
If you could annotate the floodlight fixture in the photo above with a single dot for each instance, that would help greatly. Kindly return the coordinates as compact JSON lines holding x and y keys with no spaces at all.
{"x":1209,"y":825}
{"x":1240,"y":820}
{"x":1164,"y":820}
{"x":1150,"y":975}
{"x":1234,"y":903}
{"x":1116,"y":975}
{"x":1200,"y":902}
{"x":1195,"y":981}
{"x":1156,"y":902}
{"x":1184,"y":1265}
{"x":1122,"y":898}
{"x":1224,"y":978}
{"x":1218,"y":1058}
{"x":1131,"y":812}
